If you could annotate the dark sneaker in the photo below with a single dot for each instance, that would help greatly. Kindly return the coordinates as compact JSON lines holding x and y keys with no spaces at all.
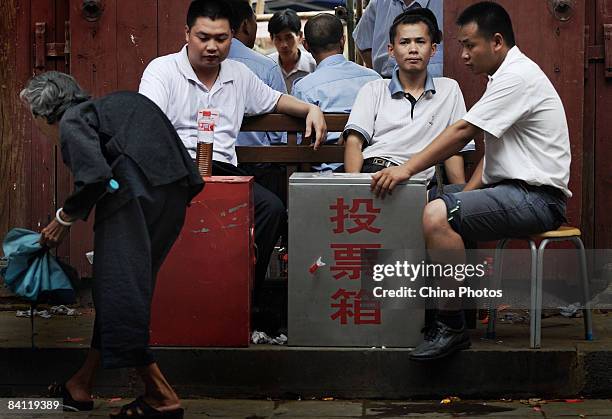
{"x":440,"y":341}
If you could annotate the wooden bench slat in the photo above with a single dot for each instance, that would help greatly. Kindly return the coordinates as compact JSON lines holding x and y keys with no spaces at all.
{"x":282,"y":122}
{"x":296,"y":154}
{"x":289,"y":154}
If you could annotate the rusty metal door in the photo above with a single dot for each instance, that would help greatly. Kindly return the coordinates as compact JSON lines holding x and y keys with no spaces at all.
{"x":554,"y":39}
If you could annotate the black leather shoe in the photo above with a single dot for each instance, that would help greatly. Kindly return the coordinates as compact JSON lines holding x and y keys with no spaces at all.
{"x":440,"y":341}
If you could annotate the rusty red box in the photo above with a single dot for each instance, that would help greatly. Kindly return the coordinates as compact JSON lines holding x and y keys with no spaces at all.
{"x":203,"y":292}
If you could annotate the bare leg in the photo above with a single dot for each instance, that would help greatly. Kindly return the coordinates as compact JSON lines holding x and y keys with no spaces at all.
{"x":158,"y":392}
{"x":444,"y":246}
{"x":81,"y":383}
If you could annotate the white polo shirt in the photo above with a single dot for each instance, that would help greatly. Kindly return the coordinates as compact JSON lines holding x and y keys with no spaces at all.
{"x":171,"y":83}
{"x":526,"y":134}
{"x":305,"y":65}
{"x":394,"y":129}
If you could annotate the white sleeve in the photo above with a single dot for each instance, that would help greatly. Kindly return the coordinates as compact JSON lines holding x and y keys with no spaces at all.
{"x":502,"y":105}
{"x":155,"y":86}
{"x":260,"y":98}
{"x":364,"y":31}
{"x":363,"y":114}
{"x":458,"y":113}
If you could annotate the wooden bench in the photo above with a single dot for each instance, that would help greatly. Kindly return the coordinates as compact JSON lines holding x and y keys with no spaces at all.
{"x":301,"y":156}
{"x":295,"y":156}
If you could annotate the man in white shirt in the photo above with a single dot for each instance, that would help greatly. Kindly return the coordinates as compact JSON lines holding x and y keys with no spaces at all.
{"x":199,"y":77}
{"x":519,"y":188}
{"x":393,"y":119}
{"x":285,"y":29}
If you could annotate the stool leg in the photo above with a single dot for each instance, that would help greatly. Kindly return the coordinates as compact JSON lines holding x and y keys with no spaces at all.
{"x":587,"y":311}
{"x":537,"y":273}
{"x":497,"y":279}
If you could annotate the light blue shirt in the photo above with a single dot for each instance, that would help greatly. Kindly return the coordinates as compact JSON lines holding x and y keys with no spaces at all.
{"x":372,"y":32}
{"x":333,"y":86}
{"x":269,"y":72}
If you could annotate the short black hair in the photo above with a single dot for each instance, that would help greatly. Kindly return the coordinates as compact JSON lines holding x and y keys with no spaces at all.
{"x":242,"y":10}
{"x":212,"y":9}
{"x":284,"y":19}
{"x":491,"y":18}
{"x":417,"y":15}
{"x":323,"y":32}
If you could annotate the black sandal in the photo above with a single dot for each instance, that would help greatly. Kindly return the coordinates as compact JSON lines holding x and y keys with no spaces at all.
{"x":139,"y":408}
{"x":68,"y":403}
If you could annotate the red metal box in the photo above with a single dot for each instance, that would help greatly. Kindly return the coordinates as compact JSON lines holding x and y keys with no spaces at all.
{"x":203,"y":292}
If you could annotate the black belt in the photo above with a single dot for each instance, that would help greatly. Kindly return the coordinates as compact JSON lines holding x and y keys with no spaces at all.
{"x":379,"y":161}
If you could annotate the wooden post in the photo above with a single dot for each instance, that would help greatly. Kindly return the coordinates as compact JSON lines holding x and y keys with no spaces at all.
{"x":358,"y":14}
{"x":350,"y":26}
{"x":260,"y":7}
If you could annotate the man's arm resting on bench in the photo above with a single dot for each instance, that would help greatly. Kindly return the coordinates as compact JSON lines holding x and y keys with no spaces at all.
{"x":315,"y":120}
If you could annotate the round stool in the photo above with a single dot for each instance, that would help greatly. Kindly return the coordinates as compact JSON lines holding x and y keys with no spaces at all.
{"x":564,"y":233}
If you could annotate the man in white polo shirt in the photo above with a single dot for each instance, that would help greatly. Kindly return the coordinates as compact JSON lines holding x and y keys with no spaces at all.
{"x":521,"y":185}
{"x":199,"y":77}
{"x":285,"y":29}
{"x":391,"y":120}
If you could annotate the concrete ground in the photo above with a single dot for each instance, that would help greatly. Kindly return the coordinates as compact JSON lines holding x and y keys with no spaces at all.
{"x":260,"y":409}
{"x":557,"y":332}
{"x":565,"y":367}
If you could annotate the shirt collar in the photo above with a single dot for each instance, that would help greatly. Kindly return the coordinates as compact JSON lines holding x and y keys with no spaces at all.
{"x":513,"y":53}
{"x":225,"y":75}
{"x":395,"y":86}
{"x":301,"y":65}
{"x":237,"y":46}
{"x":403,"y":3}
{"x":331,"y":60}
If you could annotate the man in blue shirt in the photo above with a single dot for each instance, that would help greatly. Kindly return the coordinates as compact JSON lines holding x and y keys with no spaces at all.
{"x":336,"y":81}
{"x":245,"y":34}
{"x":270,"y":176}
{"x":372,"y":33}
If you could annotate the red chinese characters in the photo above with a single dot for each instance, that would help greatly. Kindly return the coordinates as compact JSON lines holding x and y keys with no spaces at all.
{"x":361,"y":220}
{"x":351,"y":260}
{"x":356,"y":305}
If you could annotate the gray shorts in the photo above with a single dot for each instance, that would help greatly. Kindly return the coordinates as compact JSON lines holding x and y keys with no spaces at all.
{"x":509,"y":209}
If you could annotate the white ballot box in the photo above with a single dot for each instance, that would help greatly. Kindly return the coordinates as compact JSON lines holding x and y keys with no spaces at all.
{"x":338,"y":231}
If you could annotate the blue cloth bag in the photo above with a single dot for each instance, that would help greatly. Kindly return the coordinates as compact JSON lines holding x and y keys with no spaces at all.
{"x":32,"y":271}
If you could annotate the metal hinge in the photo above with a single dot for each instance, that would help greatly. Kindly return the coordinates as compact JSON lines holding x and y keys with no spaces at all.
{"x":44,"y":50}
{"x":600,"y":53}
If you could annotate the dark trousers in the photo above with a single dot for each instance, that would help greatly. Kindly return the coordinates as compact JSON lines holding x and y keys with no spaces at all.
{"x":270,"y":221}
{"x":271,"y":176}
{"x":366,"y":168}
{"x":130,"y":246}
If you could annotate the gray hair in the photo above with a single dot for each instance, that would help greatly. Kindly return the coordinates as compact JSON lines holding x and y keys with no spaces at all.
{"x":50,"y":94}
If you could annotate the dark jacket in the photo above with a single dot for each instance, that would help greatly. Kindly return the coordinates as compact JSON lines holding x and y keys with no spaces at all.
{"x":96,"y":135}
